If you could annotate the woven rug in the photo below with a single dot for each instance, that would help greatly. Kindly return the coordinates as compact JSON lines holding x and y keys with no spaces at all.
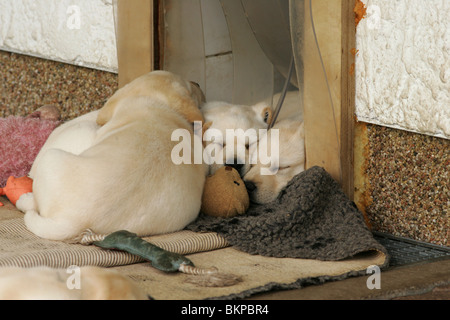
{"x":259,"y":274}
{"x":273,"y":258}
{"x":21,"y":248}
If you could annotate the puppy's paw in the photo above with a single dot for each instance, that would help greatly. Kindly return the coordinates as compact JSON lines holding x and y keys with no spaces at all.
{"x":26,"y":202}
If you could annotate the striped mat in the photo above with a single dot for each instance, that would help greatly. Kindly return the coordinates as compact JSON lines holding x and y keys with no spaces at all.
{"x":21,"y":248}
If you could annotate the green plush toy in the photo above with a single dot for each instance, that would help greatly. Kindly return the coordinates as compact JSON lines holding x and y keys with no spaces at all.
{"x":160,"y":259}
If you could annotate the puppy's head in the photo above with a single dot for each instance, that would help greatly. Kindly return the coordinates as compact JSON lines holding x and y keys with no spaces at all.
{"x":265,"y":179}
{"x":182,"y":96}
{"x":232,"y":129}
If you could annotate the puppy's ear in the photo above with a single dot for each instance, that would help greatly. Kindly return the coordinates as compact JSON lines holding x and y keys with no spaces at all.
{"x":186,"y":99}
{"x":206,"y":126}
{"x":197,"y":93}
{"x":264,"y":111}
{"x":188,"y":108}
{"x":267,"y":115}
{"x":134,"y":88}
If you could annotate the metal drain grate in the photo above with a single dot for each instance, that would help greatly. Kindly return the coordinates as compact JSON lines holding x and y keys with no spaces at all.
{"x":405,"y":251}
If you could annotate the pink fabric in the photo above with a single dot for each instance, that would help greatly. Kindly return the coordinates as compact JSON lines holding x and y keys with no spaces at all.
{"x":20,"y":141}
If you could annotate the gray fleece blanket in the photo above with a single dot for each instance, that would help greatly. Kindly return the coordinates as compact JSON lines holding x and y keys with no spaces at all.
{"x":312,"y":218}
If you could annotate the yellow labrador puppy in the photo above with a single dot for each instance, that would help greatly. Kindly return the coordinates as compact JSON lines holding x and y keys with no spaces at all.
{"x":238,"y":126}
{"x":124,"y":178}
{"x":86,"y":283}
{"x":264,"y":181}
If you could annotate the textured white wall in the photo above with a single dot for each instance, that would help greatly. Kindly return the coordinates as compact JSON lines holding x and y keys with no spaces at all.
{"x":79,"y":32}
{"x":403,"y":65}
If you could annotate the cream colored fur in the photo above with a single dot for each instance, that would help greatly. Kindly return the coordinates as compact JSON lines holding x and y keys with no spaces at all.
{"x":291,"y":157}
{"x":264,"y":188}
{"x":118,"y":174}
{"x":222,"y":116}
{"x":43,"y":283}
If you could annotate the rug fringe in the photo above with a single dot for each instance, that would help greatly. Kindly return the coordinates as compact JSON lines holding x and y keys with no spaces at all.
{"x":184,"y":268}
{"x":87,"y":237}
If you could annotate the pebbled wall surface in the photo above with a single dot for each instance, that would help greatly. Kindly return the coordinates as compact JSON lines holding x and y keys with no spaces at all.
{"x":403,"y":82}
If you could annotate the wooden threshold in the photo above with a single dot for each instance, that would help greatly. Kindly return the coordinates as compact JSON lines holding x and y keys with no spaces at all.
{"x":135,"y":38}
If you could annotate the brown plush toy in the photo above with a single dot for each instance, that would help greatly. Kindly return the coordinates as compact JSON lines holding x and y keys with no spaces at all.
{"x":225,"y":194}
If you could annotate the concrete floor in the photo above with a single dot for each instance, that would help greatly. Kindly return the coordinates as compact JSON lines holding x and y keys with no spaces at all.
{"x":422,"y":281}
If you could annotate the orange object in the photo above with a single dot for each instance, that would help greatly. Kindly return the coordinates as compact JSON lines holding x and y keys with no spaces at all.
{"x":15,"y":187}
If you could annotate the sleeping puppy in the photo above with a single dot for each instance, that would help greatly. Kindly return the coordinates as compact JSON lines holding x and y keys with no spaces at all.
{"x":223,"y":116}
{"x":290,"y":159}
{"x":77,"y":135}
{"x":122,"y":176}
{"x":86,"y":283}
{"x":264,"y":182}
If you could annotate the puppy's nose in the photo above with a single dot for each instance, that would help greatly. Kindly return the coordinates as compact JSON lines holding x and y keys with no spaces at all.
{"x":250,"y":186}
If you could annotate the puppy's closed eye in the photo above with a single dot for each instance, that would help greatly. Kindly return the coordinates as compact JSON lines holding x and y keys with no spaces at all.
{"x":276,"y":169}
